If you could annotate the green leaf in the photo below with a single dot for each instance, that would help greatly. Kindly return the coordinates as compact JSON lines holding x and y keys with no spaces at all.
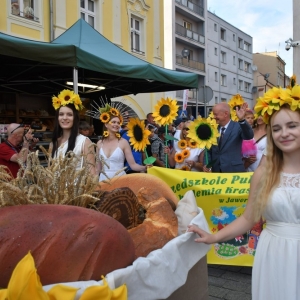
{"x":170,"y":138}
{"x":150,"y":160}
{"x":209,"y":165}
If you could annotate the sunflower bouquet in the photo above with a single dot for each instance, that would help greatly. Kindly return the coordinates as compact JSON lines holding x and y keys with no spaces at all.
{"x":164,"y":114}
{"x":204,"y":133}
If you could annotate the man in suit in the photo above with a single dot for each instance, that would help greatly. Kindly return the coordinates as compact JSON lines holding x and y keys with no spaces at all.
{"x":228,"y":153}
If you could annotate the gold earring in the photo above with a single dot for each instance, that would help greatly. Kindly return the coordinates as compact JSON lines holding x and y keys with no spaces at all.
{"x":105,"y":133}
{"x":118,"y":135}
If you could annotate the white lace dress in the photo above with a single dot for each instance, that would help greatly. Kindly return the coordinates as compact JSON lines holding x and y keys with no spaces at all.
{"x":276,"y":270}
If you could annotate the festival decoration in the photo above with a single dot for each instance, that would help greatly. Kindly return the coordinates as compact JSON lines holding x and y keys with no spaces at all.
{"x":235,"y":102}
{"x":105,"y":133}
{"x":164,"y":114}
{"x":192,"y":144}
{"x":205,"y":133}
{"x":66,"y":97}
{"x":165,"y":111}
{"x":25,"y":284}
{"x":274,"y":98}
{"x":182,"y":144}
{"x":179,"y":157}
{"x":185,"y":168}
{"x":186,"y":153}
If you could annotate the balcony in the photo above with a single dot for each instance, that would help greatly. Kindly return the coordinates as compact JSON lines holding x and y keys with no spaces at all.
{"x":183,"y":31}
{"x":189,"y":63}
{"x":191,"y":6}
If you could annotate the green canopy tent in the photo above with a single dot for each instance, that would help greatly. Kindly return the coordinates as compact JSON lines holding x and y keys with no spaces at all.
{"x":81,"y":54}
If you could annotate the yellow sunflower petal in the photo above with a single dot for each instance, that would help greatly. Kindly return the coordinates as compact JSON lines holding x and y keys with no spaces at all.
{"x":139,"y":136}
{"x":165,"y":111}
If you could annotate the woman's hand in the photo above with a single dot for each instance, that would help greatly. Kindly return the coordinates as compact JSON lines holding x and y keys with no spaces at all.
{"x":204,"y":237}
{"x":190,"y":163}
{"x":167,"y":150}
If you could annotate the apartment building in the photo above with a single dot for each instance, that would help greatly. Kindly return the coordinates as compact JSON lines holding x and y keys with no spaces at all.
{"x":136,"y":26}
{"x":229,"y":61}
{"x":270,"y":72}
{"x":185,"y":43}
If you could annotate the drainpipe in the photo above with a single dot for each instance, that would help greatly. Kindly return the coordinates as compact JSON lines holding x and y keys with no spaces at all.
{"x":51,"y":20}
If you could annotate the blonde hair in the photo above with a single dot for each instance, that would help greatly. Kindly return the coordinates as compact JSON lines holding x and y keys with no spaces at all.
{"x":271,"y":174}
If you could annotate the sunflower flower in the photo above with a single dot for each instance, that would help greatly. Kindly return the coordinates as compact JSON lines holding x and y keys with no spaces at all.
{"x":77,"y":102}
{"x":114,"y":112}
{"x":138,"y":134}
{"x":192,"y":144}
{"x":179,"y":157}
{"x":185,"y":168}
{"x":204,"y":132}
{"x":56,"y":102}
{"x":182,"y":144}
{"x":235,"y":102}
{"x":165,"y":111}
{"x":104,"y":117}
{"x":186,"y":153}
{"x":118,"y":135}
{"x":105,"y":134}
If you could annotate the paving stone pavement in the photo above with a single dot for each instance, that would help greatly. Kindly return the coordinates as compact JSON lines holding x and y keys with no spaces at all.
{"x":229,"y":282}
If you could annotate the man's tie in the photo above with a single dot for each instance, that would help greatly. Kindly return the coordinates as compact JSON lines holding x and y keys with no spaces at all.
{"x":221,"y":136}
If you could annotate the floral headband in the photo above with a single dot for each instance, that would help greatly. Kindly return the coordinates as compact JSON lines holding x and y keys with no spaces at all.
{"x":66,"y":97}
{"x":274,"y":98}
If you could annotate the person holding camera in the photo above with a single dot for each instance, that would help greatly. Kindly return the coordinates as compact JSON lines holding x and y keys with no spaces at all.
{"x":10,"y":150}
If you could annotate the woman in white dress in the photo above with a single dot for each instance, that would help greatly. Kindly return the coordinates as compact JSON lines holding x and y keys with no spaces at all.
{"x":112,"y":150}
{"x":66,"y":135}
{"x":274,"y":195}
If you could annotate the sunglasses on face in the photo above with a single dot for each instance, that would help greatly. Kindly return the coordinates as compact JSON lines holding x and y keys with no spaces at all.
{"x":185,"y":128}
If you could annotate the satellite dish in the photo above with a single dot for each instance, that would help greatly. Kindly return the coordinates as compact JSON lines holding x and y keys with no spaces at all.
{"x":254,"y":68}
{"x":267,"y":75}
{"x":185,"y":53}
{"x":254,"y":90}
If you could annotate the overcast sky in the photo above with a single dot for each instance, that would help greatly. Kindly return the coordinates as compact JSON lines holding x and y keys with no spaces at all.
{"x":269,"y":22}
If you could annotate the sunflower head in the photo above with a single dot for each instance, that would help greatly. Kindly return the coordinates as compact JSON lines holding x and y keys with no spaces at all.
{"x":182,"y":144}
{"x":118,"y":135}
{"x":138,"y":134}
{"x":104,"y":117}
{"x":179,"y":157}
{"x":165,"y":111}
{"x":105,"y":134}
{"x":66,"y":97}
{"x":114,"y":112}
{"x":274,"y":99}
{"x":204,"y":132}
{"x":192,"y":144}
{"x":185,"y":168}
{"x":186,"y":153}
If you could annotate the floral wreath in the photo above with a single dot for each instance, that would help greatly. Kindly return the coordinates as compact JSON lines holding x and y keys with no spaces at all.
{"x":274,"y":98}
{"x":66,"y":97}
{"x":236,"y":101}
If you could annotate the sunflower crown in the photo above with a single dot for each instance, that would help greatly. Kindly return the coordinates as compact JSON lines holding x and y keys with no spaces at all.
{"x":108,"y":112}
{"x":274,"y":98}
{"x":236,"y":101}
{"x":66,"y":97}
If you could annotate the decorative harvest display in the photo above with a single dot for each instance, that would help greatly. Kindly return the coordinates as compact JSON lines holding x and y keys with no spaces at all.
{"x":66,"y":97}
{"x":25,"y":284}
{"x":274,"y":98}
{"x":165,"y":111}
{"x":139,"y":136}
{"x":204,"y":132}
{"x":236,"y":101}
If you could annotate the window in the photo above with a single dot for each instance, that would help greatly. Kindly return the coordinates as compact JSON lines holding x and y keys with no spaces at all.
{"x":223,"y":57}
{"x":216,"y":51}
{"x":187,"y":25}
{"x":25,"y":8}
{"x":234,"y":60}
{"x":223,"y":34}
{"x":247,"y":86}
{"x":233,"y":37}
{"x":215,"y":27}
{"x":247,"y":47}
{"x":240,"y":43}
{"x":240,"y":64}
{"x":216,"y":99}
{"x":223,"y":80}
{"x":136,"y":35}
{"x":216,"y":76}
{"x":223,"y":100}
{"x":87,"y":11}
{"x":240,"y":85}
{"x":234,"y":81}
{"x":247,"y":67}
